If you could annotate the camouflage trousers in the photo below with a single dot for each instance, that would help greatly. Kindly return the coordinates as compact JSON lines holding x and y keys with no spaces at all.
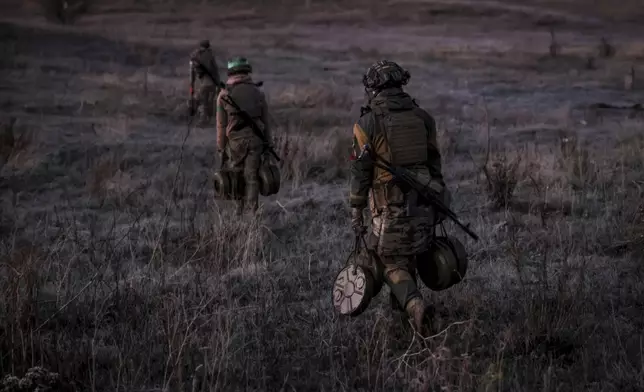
{"x":399,"y":275}
{"x":245,"y":158}
{"x":206,"y":100}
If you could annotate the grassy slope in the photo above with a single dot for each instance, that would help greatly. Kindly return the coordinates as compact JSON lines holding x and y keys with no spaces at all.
{"x":120,"y":271}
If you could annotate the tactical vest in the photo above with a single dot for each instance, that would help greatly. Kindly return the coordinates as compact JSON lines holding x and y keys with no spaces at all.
{"x":249,"y":98}
{"x":400,"y":137}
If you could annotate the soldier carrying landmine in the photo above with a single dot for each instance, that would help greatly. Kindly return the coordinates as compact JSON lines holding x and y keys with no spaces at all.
{"x":204,"y":67}
{"x":238,"y":144}
{"x":403,"y":223}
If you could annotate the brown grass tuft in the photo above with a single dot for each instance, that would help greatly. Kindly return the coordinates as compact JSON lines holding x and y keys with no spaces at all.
{"x":502,"y":175}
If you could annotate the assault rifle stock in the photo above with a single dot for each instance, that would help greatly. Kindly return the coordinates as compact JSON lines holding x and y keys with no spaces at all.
{"x":408,"y":178}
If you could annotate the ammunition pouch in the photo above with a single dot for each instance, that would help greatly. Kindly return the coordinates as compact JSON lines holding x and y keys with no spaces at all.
{"x":229,"y":184}
{"x":443,"y":265}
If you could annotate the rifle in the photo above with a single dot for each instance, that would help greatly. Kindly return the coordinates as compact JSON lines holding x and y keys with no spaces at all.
{"x":408,"y":178}
{"x":253,"y":125}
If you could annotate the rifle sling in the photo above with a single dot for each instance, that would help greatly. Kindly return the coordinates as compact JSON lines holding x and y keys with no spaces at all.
{"x":247,"y":120}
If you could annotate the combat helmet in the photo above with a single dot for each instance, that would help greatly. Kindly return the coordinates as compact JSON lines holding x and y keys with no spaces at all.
{"x":239,"y":65}
{"x":384,"y":74}
{"x":204,"y":44}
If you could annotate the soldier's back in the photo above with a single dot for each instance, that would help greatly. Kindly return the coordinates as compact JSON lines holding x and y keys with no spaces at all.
{"x":248,"y":97}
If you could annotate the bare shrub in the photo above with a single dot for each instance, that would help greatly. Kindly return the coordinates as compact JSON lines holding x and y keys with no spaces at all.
{"x":36,"y":379}
{"x":574,"y":159}
{"x":624,"y":223}
{"x":7,"y":141}
{"x":307,"y":156}
{"x":313,"y":96}
{"x":502,"y":175}
{"x":555,"y":48}
{"x":605,"y":49}
{"x":101,"y":171}
{"x":63,"y":11}
{"x":450,"y":140}
{"x":14,"y":141}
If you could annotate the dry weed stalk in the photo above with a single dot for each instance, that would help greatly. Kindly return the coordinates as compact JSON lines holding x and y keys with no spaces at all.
{"x":502,"y":172}
{"x":554,"y":49}
{"x":574,"y":158}
{"x":63,"y":11}
{"x":100,"y":173}
{"x":12,"y":142}
{"x":605,"y":49}
{"x":629,"y":79}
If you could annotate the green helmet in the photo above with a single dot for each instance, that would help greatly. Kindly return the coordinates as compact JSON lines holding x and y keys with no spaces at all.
{"x":239,"y":65}
{"x":384,"y":74}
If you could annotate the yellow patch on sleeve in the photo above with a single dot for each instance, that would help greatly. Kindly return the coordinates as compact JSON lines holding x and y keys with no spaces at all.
{"x":360,"y":135}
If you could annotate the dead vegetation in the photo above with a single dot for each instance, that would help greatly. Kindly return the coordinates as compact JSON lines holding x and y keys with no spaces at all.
{"x":62,"y":11}
{"x":15,"y":141}
{"x":119,"y":271}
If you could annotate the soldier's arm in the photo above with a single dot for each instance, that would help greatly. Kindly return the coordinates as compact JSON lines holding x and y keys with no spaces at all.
{"x":268,"y":131}
{"x":433,"y":152}
{"x":222,"y":121}
{"x":361,"y":171}
{"x":215,"y":69}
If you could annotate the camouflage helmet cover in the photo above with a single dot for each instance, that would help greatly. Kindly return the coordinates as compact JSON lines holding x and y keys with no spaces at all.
{"x":239,"y":65}
{"x":385,"y":74}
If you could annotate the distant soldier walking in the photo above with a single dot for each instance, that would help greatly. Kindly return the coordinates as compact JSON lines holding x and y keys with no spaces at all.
{"x":396,"y":129}
{"x":204,"y":67}
{"x":237,"y":143}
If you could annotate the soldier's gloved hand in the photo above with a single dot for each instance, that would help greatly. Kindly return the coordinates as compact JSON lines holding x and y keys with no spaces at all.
{"x":357,"y":221}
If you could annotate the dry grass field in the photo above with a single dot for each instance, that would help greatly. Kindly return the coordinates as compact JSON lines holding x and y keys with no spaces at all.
{"x":119,"y":271}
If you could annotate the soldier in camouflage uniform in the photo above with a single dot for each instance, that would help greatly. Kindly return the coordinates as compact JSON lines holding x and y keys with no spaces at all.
{"x":399,"y":131}
{"x":236,"y":140}
{"x":204,"y":67}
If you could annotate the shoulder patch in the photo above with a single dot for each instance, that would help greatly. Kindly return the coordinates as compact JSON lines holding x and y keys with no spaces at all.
{"x":360,"y":135}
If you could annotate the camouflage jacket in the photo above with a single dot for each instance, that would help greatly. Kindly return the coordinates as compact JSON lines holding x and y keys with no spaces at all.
{"x":365,"y":177}
{"x":250,"y":99}
{"x":204,"y":66}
